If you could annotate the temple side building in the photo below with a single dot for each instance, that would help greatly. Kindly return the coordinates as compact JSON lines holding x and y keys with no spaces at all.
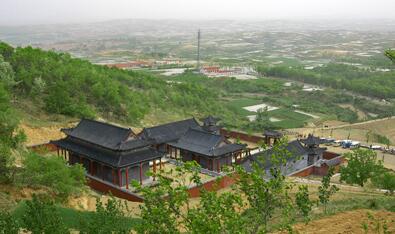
{"x":301,"y":154}
{"x":160,"y":135}
{"x":212,"y":151}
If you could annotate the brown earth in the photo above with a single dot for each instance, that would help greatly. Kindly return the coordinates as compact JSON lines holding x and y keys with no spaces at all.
{"x":350,"y":222}
{"x":356,"y":131}
{"x":87,"y":202}
{"x":43,"y":134}
{"x":40,"y":135}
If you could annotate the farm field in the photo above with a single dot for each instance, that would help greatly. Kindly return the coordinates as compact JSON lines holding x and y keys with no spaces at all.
{"x":282,"y":118}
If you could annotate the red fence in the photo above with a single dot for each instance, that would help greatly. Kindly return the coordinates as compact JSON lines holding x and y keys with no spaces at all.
{"x":242,"y":136}
{"x":320,"y":170}
{"x":213,"y":185}
{"x":329,"y":155}
{"x":106,"y":187}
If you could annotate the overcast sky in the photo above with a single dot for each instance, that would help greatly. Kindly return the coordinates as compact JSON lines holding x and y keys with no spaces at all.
{"x":63,"y":11}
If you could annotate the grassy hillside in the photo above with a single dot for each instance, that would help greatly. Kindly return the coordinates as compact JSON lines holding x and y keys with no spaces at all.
{"x":56,"y":83}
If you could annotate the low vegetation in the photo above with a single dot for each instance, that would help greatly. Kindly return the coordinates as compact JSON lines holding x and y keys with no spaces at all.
{"x":340,"y":76}
{"x":362,"y":165}
{"x":60,"y":84}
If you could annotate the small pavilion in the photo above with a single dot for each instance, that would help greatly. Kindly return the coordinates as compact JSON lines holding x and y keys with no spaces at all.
{"x":210,"y":124}
{"x":312,"y":145}
{"x":271,"y":137}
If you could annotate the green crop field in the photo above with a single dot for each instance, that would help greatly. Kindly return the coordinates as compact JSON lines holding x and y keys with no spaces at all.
{"x":288,"y":117}
{"x":238,"y":105}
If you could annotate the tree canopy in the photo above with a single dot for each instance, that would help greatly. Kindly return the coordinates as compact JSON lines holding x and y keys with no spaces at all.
{"x":362,"y":165}
{"x":390,"y":54}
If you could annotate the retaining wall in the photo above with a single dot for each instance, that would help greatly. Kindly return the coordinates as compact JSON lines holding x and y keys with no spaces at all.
{"x":242,"y":136}
{"x":107,"y":188}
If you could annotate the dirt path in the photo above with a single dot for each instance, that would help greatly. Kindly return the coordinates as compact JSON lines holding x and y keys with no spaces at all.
{"x":363,"y":123}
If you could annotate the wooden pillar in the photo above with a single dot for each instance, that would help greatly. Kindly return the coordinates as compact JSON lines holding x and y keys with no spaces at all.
{"x":91,"y":167}
{"x":127,"y":177}
{"x":141,"y":173}
{"x":102,"y":171}
{"x":57,"y":150}
{"x":212,"y":164}
{"x":160,"y":163}
{"x":119,"y":177}
{"x":218,"y":165}
{"x":154,"y":168}
{"x":113,"y":175}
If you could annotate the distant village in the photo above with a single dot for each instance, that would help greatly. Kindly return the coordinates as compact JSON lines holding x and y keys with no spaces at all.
{"x":173,"y":66}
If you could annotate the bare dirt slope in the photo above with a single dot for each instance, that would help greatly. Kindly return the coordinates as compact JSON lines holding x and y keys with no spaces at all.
{"x":357,"y":131}
{"x":40,"y":135}
{"x":349,"y":222}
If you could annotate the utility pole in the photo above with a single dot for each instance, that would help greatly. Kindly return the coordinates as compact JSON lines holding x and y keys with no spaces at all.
{"x":198,"y":53}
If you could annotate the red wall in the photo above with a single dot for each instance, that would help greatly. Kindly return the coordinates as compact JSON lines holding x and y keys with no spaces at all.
{"x":320,"y":171}
{"x":242,"y":136}
{"x":117,"y":192}
{"x":306,"y":172}
{"x":329,"y":155}
{"x":213,"y":185}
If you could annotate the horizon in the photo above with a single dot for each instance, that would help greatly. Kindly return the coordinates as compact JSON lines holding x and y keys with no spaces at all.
{"x":43,"y":12}
{"x":328,"y":21}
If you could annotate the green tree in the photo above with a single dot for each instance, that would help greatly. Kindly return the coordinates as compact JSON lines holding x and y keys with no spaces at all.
{"x":267,"y":194}
{"x":41,"y":216}
{"x":216,"y":214}
{"x":361,"y":165}
{"x":6,"y":51}
{"x":166,"y":207}
{"x":52,"y":172}
{"x":326,"y":190}
{"x":10,"y":136}
{"x":7,"y":76}
{"x":390,"y":54}
{"x":109,"y":218}
{"x":262,"y":120}
{"x":385,"y":181}
{"x":161,"y":211}
{"x":303,"y":202}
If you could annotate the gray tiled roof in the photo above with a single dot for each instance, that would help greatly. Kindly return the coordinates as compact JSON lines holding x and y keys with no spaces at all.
{"x":264,"y":159}
{"x":205,"y":143}
{"x":169,"y":132}
{"x":113,"y":158}
{"x":103,"y":134}
{"x":272,"y":133}
{"x":312,"y":140}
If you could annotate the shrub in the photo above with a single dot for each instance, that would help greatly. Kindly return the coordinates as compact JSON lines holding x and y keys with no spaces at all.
{"x":53,"y":173}
{"x":41,"y":216}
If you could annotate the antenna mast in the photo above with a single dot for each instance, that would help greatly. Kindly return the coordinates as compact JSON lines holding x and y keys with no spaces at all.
{"x":198,"y":53}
